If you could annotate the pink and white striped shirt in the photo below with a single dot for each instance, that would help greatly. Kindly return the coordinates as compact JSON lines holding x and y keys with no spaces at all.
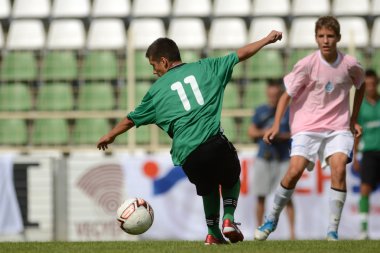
{"x":320,"y":92}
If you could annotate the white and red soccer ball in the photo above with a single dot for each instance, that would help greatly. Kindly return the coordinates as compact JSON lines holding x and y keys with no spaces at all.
{"x":135,"y":216}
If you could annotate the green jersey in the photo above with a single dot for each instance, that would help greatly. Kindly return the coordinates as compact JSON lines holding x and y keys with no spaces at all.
{"x":369,"y":119}
{"x":186,"y":102}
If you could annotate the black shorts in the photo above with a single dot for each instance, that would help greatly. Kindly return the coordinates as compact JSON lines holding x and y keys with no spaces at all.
{"x":213,"y":163}
{"x":370,"y":168}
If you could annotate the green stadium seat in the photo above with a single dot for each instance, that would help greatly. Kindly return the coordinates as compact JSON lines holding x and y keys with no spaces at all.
{"x":100,"y":65}
{"x":143,"y":135}
{"x":375,"y":60}
{"x":123,"y":98}
{"x":17,"y":66}
{"x":296,"y":55}
{"x":231,"y":98}
{"x":238,"y":69}
{"x":55,"y":97}
{"x":143,"y":70}
{"x":15,"y":97}
{"x":50,"y":132}
{"x":88,"y":131}
{"x":230,"y":129}
{"x":59,"y":65}
{"x":13,"y":132}
{"x":163,"y":138}
{"x":254,"y":94}
{"x":96,"y":96}
{"x":141,"y":89}
{"x":265,"y":64}
{"x":243,"y":133}
{"x":190,"y":56}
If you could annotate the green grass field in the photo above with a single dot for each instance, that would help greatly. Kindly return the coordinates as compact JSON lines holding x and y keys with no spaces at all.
{"x":344,"y":246}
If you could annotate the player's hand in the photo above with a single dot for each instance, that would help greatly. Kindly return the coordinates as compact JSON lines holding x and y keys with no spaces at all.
{"x":103,"y":142}
{"x":270,"y":134}
{"x":356,"y":130}
{"x":274,"y":36}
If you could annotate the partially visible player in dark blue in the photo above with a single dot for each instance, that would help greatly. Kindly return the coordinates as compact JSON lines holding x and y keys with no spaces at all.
{"x":186,"y":102}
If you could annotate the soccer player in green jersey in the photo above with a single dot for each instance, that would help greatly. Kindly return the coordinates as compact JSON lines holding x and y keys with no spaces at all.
{"x":369,"y":119}
{"x":186,"y":102}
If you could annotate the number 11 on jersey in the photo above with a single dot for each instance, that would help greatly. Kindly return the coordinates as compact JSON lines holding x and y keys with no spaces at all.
{"x":178,"y":86}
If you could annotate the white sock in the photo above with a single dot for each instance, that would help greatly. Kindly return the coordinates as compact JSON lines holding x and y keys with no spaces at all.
{"x":337,"y":199}
{"x":281,"y":198}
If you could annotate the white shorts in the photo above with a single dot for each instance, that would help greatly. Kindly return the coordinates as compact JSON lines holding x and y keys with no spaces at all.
{"x":314,"y":146}
{"x":266,"y":175}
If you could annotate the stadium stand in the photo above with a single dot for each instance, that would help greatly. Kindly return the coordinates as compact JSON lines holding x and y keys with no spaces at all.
{"x":194,"y":8}
{"x":111,"y":8}
{"x":50,"y":132}
{"x":13,"y":132}
{"x":79,"y":49}
{"x":231,"y":8}
{"x":31,"y":9}
{"x":310,"y":7}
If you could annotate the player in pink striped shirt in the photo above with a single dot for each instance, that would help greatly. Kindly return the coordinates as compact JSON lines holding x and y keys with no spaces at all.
{"x":318,"y":88}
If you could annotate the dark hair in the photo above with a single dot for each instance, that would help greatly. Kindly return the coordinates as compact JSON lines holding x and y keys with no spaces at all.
{"x":163,"y":47}
{"x":275,"y":82}
{"x":371,"y":73}
{"x":329,"y":22}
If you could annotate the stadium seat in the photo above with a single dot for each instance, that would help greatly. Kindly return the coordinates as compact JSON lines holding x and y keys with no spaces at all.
{"x":194,"y":8}
{"x":190,"y":36}
{"x":254,"y":94}
{"x":66,"y":34}
{"x":13,"y":132}
{"x":88,"y":131}
{"x":96,"y":96}
{"x":163,"y":138}
{"x":151,"y":8}
{"x":15,"y":97}
{"x":231,"y":98}
{"x":143,"y":135}
{"x":243,"y":131}
{"x":295,"y":55}
{"x":18,"y":65}
{"x":271,"y":8}
{"x":31,"y":9}
{"x":310,"y":7}
{"x":261,"y":27}
{"x":26,"y":34}
{"x":111,"y":8}
{"x":301,"y":34}
{"x":230,"y":129}
{"x":59,"y":65}
{"x":375,"y":59}
{"x":55,"y":97}
{"x":145,"y":31}
{"x":266,"y":64}
{"x":5,"y":9}
{"x":375,"y":33}
{"x":71,"y":8}
{"x":100,"y":65}
{"x":354,"y":32}
{"x":227,"y":33}
{"x":188,"y":33}
{"x":1,"y":37}
{"x":375,"y":8}
{"x":141,"y":89}
{"x":123,"y":98}
{"x":232,"y":8}
{"x":106,"y":34}
{"x":50,"y":132}
{"x":350,"y":7}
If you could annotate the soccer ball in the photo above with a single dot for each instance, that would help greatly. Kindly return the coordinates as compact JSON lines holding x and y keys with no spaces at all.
{"x":135,"y":216}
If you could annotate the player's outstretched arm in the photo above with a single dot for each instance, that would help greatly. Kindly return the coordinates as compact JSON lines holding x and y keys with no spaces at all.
{"x":248,"y":50}
{"x":358,"y":98}
{"x":121,"y":127}
{"x":271,"y":133}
